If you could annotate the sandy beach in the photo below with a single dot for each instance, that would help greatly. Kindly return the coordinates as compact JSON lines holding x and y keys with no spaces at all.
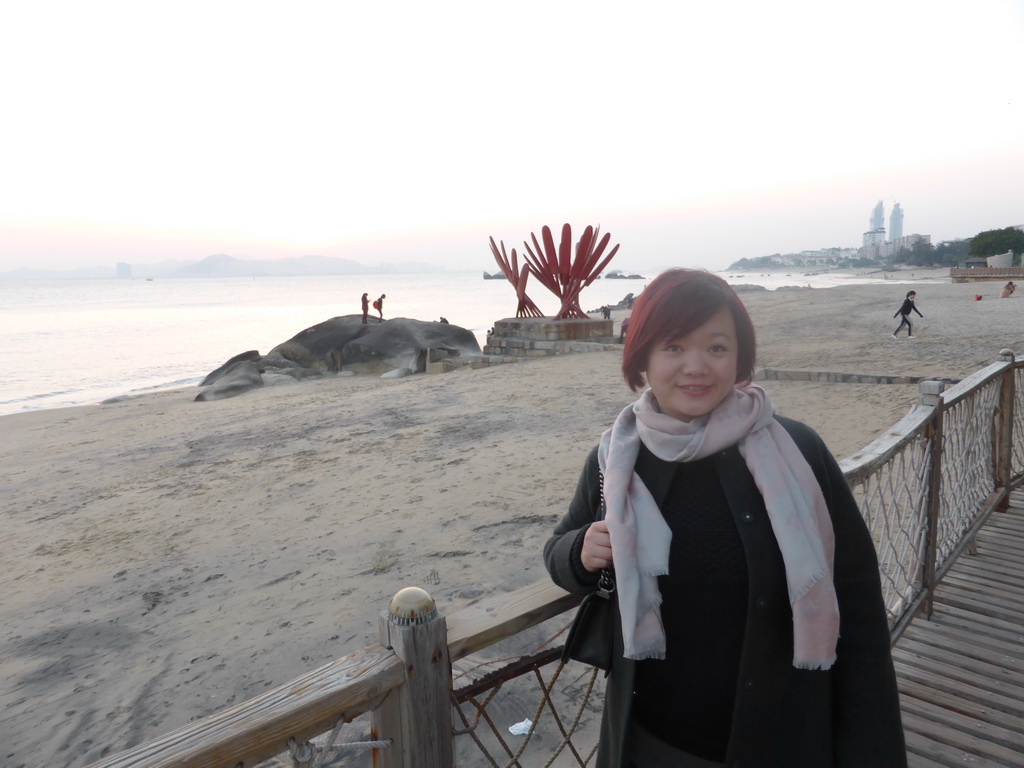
{"x":167,"y":558}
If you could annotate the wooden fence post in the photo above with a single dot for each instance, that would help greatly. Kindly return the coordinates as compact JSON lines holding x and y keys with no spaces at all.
{"x":417,"y":715}
{"x":1004,"y":428}
{"x":931,"y":395}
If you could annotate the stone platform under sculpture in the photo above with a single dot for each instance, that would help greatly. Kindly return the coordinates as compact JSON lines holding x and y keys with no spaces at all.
{"x":545,"y":336}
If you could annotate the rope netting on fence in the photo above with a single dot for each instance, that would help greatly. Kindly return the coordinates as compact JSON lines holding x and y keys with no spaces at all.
{"x":533,"y":711}
{"x":968,"y":447}
{"x":544,"y":736}
{"x":892,"y":500}
{"x":1017,"y":456}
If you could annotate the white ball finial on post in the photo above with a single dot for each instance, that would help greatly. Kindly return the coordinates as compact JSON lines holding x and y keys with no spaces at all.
{"x":412,"y":605}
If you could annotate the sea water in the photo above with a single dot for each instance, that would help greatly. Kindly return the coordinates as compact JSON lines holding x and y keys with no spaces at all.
{"x":71,"y":342}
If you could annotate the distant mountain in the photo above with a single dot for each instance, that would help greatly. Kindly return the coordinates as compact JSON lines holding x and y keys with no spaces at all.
{"x":85,"y":273}
{"x":161,"y":268}
{"x":222,"y":265}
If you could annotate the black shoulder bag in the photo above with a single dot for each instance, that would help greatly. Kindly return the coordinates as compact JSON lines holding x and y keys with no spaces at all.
{"x":592,"y":634}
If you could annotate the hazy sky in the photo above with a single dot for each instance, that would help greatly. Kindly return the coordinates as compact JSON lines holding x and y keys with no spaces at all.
{"x":695,"y":133}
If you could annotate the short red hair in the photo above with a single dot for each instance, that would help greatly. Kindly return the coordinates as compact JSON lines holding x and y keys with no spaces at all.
{"x":674,"y":304}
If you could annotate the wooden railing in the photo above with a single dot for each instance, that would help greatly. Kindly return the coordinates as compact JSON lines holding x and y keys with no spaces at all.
{"x":972,"y":274}
{"x":925,"y":488}
{"x":928,"y":484}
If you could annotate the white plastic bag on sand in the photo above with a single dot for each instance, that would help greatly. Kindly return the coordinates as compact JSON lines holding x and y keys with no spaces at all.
{"x":520,"y":729}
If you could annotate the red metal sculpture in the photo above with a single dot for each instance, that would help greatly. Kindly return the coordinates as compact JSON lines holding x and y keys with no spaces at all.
{"x":526,"y":307}
{"x":564,"y":276}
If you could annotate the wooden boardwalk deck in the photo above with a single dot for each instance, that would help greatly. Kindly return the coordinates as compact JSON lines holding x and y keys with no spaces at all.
{"x":961,"y":673}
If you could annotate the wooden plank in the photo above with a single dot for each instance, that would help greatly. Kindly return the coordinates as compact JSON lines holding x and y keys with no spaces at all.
{"x":924,"y":751}
{"x":960,"y":706}
{"x":976,"y":736}
{"x":977,"y":604}
{"x":872,"y":456}
{"x":1011,"y":675}
{"x":1001,"y":571}
{"x":965,"y":617}
{"x":998,"y":571}
{"x":1010,"y":521}
{"x":965,"y":387}
{"x":999,"y":557}
{"x":956,"y":670}
{"x":934,"y":677}
{"x":1009,"y":541}
{"x":969,"y":647}
{"x":258,"y":729}
{"x":968,"y":642}
{"x":999,"y":549}
{"x":1004,"y":526}
{"x":1003,"y":529}
{"x":1010,"y":596}
{"x":1014,"y":511}
{"x":500,"y":616}
{"x":919,"y":761}
{"x":1008,"y":545}
{"x":992,"y":571}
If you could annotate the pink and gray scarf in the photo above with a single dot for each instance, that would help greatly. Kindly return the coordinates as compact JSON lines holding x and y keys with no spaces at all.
{"x":641,"y":537}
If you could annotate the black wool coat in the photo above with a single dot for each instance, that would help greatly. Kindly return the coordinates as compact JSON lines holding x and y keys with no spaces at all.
{"x":847,"y":716}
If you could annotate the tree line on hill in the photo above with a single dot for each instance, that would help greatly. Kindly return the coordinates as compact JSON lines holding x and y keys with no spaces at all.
{"x":989,"y":243}
{"x":922,"y":254}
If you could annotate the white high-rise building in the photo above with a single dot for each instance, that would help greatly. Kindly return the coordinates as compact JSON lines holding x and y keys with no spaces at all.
{"x":896,"y":223}
{"x":874,"y":246}
{"x":877,"y":217}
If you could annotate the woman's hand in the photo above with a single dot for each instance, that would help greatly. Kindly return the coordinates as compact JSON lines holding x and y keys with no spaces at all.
{"x":597,"y":547}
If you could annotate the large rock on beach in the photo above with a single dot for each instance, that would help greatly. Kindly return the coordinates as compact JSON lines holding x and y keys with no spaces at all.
{"x":238,"y":377}
{"x":342,"y":344}
{"x":403,"y":343}
{"x":213,"y":375}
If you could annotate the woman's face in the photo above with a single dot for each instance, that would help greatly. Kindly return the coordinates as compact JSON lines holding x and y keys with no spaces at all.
{"x":692,"y":374}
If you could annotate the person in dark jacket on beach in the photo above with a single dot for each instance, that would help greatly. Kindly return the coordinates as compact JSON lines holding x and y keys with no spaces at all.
{"x":751,"y":629}
{"x":905,"y":309}
{"x":378,"y":304}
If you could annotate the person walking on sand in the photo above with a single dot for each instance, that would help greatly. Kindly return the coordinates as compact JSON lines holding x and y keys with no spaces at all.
{"x":905,"y":310}
{"x":366,"y":306}
{"x":378,"y":304}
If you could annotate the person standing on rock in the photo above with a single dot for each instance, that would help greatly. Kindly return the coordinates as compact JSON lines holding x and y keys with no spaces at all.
{"x":366,"y":306}
{"x":378,"y":304}
{"x":905,"y":310}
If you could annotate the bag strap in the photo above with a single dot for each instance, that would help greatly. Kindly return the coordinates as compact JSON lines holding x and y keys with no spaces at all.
{"x":606,"y":582}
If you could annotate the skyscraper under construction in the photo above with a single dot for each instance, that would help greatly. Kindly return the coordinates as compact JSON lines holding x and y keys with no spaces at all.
{"x":896,"y":223}
{"x":877,"y":218}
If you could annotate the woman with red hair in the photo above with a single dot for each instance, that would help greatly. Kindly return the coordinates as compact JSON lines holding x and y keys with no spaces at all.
{"x":752,"y":630}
